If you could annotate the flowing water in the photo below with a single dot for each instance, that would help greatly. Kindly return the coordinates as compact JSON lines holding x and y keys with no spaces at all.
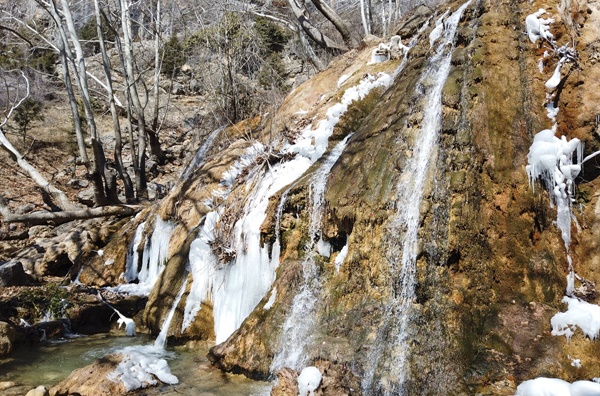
{"x":402,"y":254}
{"x":300,"y":323}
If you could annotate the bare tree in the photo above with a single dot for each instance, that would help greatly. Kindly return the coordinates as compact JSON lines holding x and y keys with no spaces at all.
{"x":21,"y":82}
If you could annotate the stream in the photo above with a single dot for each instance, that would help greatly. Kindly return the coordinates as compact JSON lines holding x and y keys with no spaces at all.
{"x":49,"y":363}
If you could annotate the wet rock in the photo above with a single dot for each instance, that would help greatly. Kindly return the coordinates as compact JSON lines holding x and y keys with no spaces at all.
{"x":92,"y":380}
{"x":287,"y":383}
{"x":12,"y":274}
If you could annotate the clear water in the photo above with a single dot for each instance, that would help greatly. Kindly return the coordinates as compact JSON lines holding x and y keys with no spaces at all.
{"x":49,"y":363}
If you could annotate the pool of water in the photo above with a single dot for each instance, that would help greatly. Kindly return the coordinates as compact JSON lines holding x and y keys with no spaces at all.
{"x":49,"y":363}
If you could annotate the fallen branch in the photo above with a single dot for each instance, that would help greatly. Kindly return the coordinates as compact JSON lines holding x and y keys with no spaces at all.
{"x":70,"y":215}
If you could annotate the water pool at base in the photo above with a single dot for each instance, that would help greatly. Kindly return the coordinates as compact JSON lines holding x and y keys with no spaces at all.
{"x":49,"y":363}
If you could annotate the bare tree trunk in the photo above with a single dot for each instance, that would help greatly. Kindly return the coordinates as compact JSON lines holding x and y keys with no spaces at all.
{"x":59,"y":197}
{"x":127,"y":52}
{"x":70,"y":215}
{"x":301,"y":14}
{"x":338,"y":22}
{"x":363,"y":15}
{"x":129,"y":194}
{"x":157,"y":66}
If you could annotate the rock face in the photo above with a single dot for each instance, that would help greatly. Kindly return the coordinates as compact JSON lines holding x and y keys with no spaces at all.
{"x":489,"y":268}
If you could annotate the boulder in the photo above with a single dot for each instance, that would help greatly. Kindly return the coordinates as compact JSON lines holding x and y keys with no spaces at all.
{"x":12,"y":274}
{"x":39,"y":391}
{"x":92,"y":380}
{"x":7,"y":337}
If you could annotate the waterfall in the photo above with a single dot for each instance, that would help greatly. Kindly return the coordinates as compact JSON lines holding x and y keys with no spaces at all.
{"x":300,"y":323}
{"x":161,"y":340}
{"x":200,"y":156}
{"x":156,"y":252}
{"x":402,"y":254}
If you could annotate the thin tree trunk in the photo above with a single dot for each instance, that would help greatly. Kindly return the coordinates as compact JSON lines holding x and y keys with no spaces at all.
{"x":363,"y":16}
{"x":127,"y":52}
{"x":129,"y":195}
{"x":313,"y":32}
{"x":157,"y":66}
{"x":59,"y":197}
{"x":338,"y":22}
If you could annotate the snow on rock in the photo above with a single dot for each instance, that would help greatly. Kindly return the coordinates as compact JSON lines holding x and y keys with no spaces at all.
{"x":141,"y":367}
{"x":538,"y":28}
{"x":582,"y":314}
{"x":308,"y":381}
{"x":557,"y":387}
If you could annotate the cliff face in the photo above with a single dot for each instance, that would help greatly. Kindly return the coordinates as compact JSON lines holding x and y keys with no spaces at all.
{"x":489,"y":264}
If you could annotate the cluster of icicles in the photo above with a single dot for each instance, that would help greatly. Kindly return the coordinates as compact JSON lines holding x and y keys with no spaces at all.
{"x":550,"y":159}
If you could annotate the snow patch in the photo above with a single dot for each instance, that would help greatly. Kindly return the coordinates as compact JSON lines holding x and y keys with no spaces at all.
{"x":556,"y":387}
{"x":581,"y":314}
{"x":309,"y":380}
{"x":538,"y":28}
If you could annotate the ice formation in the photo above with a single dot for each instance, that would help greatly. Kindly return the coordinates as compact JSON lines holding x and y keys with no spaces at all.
{"x":339,"y":260}
{"x":582,"y":314}
{"x":551,"y":159}
{"x":236,"y":288}
{"x":556,"y":387}
{"x":538,"y":28}
{"x":156,"y":252}
{"x":141,"y":366}
{"x":555,"y":79}
{"x":380,"y":54}
{"x":308,"y":381}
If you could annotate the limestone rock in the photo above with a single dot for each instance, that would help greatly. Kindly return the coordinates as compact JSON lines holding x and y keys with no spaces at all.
{"x":92,"y":380}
